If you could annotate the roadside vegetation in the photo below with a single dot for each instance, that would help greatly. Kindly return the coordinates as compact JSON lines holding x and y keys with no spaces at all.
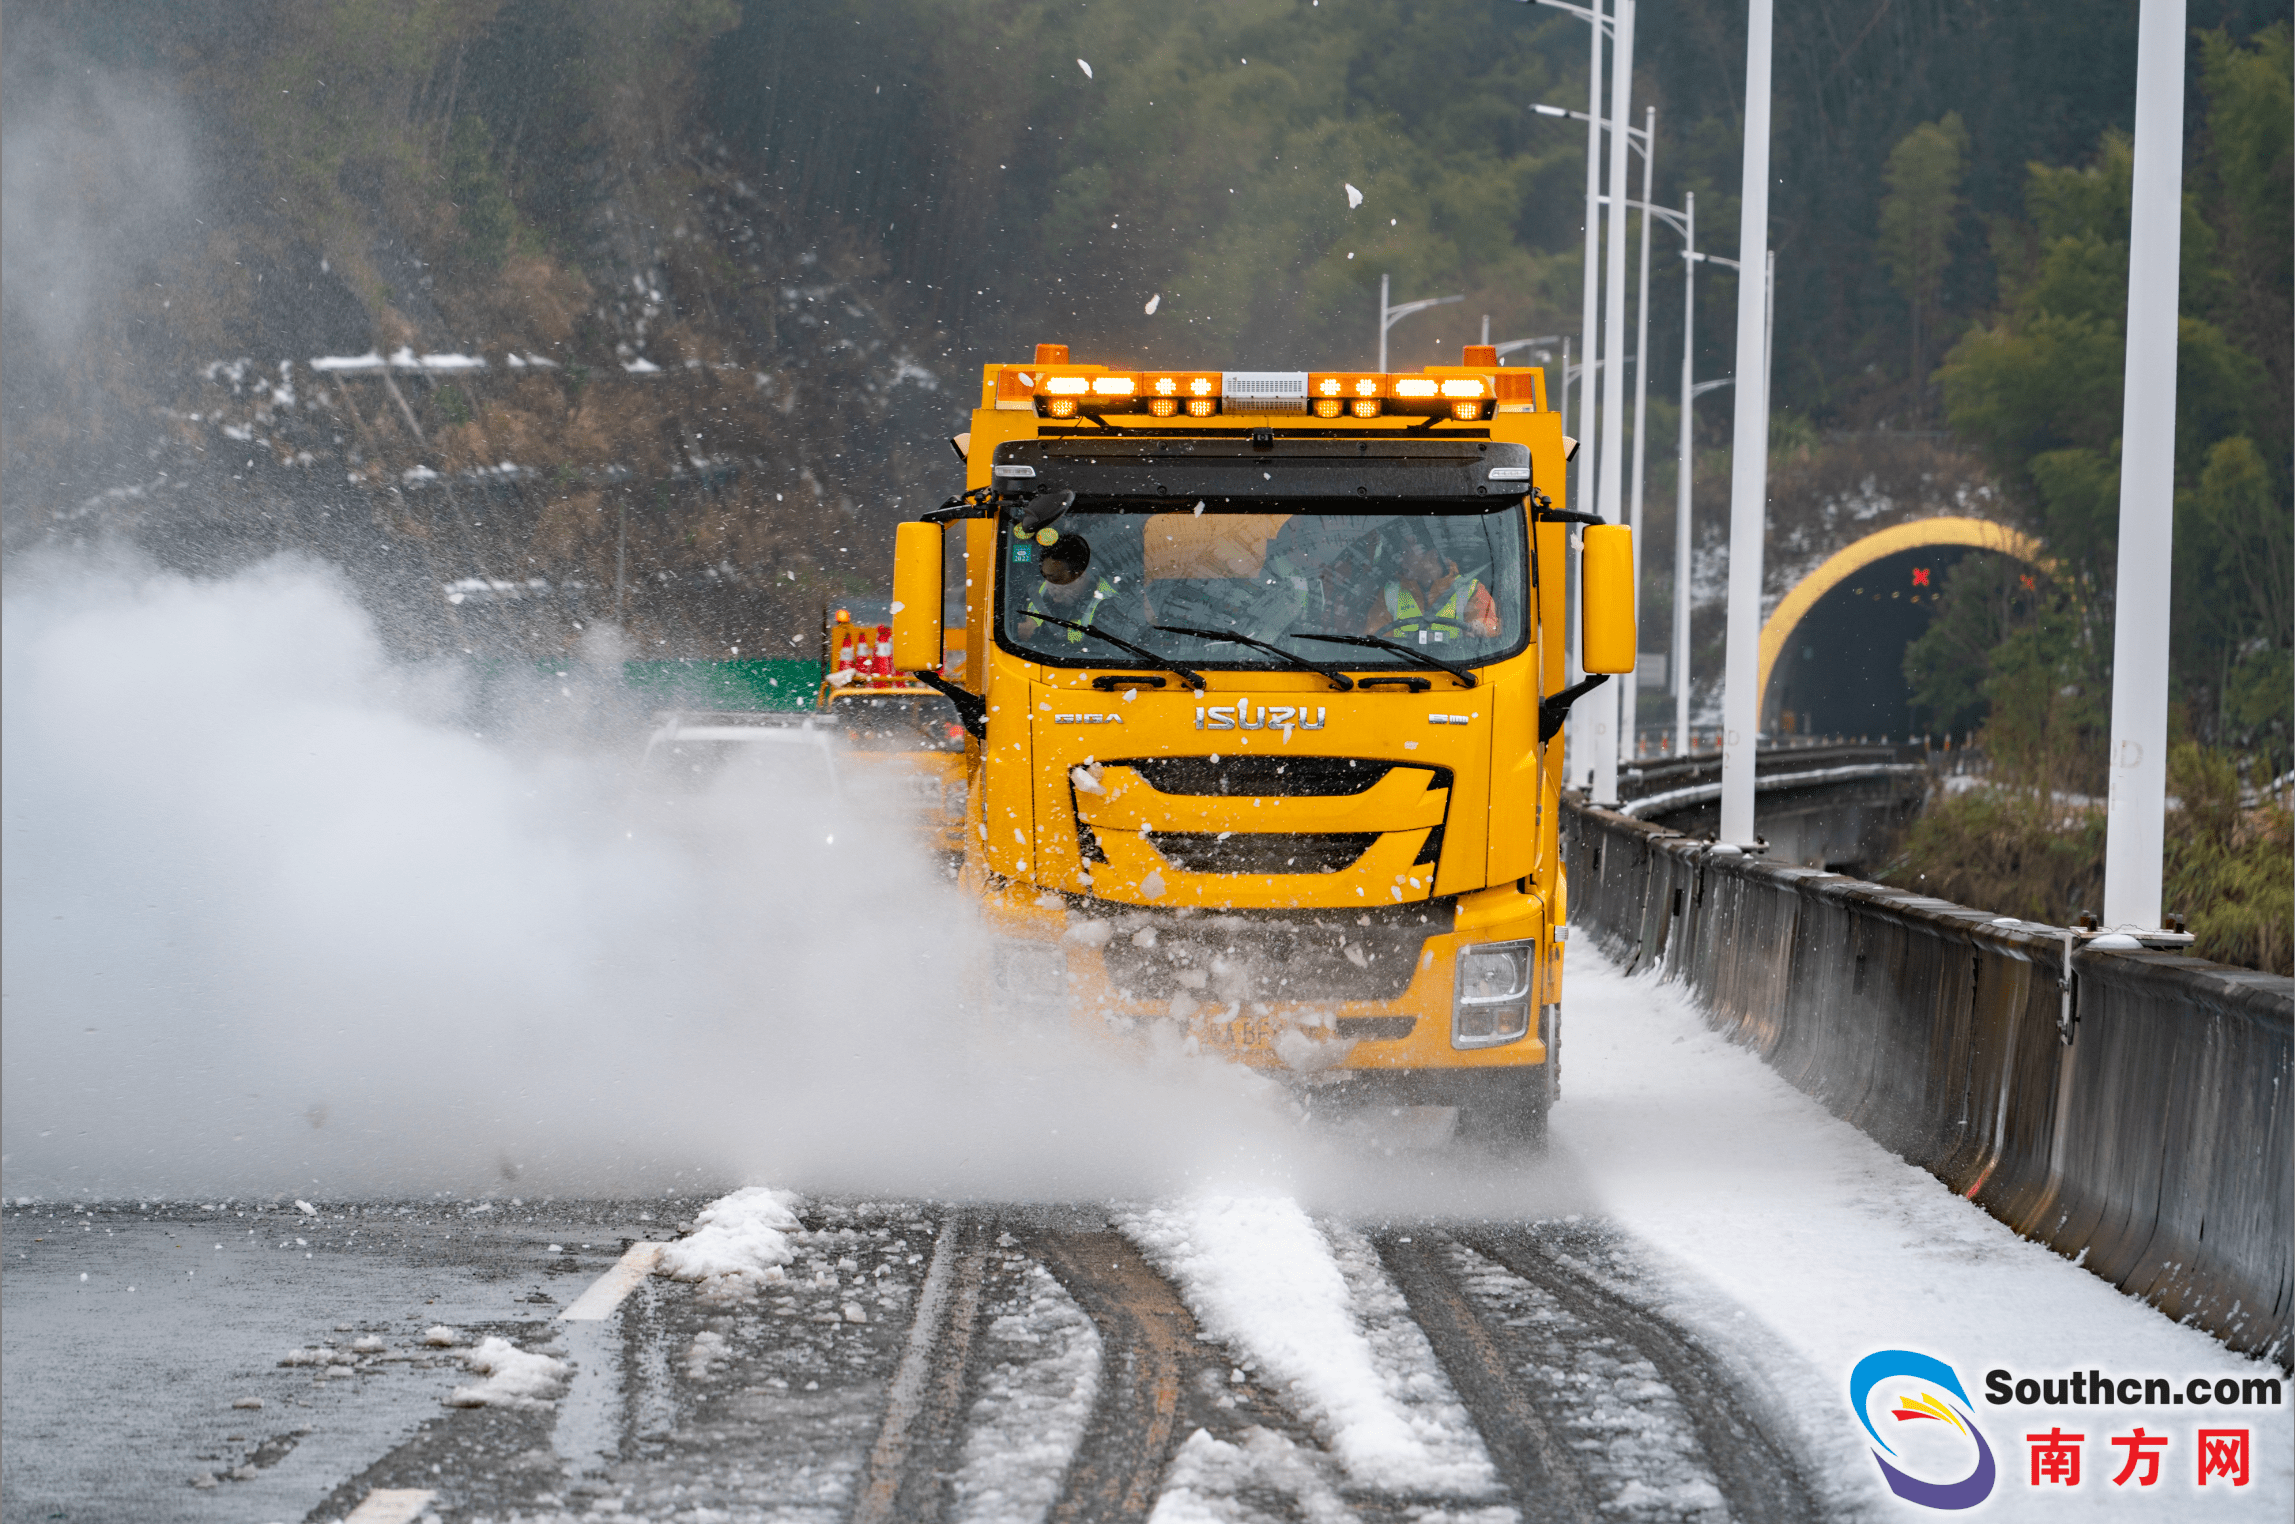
{"x":2022,"y":656}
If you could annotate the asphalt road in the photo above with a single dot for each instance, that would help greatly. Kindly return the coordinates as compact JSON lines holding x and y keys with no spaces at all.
{"x":920,"y":1361}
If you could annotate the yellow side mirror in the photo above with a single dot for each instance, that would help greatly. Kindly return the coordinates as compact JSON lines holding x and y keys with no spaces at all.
{"x":916,"y":598}
{"x":1606,"y":599}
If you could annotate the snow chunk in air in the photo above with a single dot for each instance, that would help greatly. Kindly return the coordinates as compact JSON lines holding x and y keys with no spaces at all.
{"x":1354,"y":199}
{"x":514,"y":1378}
{"x":1087,"y":68}
{"x":739,"y":1243}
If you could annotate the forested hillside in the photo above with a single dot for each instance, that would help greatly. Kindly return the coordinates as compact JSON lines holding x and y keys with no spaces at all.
{"x":754,"y":253}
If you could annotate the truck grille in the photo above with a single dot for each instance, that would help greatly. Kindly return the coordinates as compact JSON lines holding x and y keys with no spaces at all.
{"x":1261,"y":851}
{"x":1272,"y":955}
{"x":1267,"y":777}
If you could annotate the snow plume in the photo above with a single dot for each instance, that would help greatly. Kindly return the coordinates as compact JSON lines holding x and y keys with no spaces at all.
{"x":277,"y":922}
{"x":96,"y":176}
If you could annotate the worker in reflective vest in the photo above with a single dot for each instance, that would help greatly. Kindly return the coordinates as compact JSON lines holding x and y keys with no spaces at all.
{"x":1430,"y":601}
{"x":1065,"y":592}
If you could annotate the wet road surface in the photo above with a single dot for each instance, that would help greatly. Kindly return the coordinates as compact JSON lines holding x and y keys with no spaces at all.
{"x":915,"y":1361}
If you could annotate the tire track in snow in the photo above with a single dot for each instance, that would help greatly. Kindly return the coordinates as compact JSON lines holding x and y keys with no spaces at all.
{"x":1146,"y":1338}
{"x":924,"y":1408}
{"x":1533,"y":1460}
{"x":1178,"y":1431}
{"x":1310,"y":1312}
{"x":1723,"y":1453}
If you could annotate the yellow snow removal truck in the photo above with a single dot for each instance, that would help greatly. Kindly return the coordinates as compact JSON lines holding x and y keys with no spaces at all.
{"x":1264,"y":693}
{"x":895,"y":730}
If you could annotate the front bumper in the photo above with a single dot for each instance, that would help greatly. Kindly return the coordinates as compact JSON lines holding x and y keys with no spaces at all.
{"x":1216,"y":995}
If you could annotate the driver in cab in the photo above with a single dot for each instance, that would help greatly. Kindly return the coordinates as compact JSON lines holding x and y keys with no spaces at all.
{"x":1430,"y":602}
{"x":1066,"y":592}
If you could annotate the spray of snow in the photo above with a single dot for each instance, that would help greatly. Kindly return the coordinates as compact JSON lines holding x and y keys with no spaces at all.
{"x":100,"y":180}
{"x":279,"y":921}
{"x":514,"y":1378}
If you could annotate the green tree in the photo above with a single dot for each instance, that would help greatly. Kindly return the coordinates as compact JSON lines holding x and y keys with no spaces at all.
{"x":2038,"y":387}
{"x":1984,"y":600}
{"x":2236,"y":558}
{"x":1917,"y":219}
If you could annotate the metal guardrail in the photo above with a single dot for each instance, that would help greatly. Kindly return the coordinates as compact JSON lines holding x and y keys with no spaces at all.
{"x":1646,"y":806}
{"x":2145,"y":1127}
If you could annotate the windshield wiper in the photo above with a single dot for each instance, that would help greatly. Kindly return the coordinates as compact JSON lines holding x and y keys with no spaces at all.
{"x":1465,"y":677}
{"x":1339,"y":679}
{"x":1194,"y":679}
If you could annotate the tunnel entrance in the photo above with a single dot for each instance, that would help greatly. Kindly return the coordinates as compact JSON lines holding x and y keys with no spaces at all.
{"x":1841,"y":671}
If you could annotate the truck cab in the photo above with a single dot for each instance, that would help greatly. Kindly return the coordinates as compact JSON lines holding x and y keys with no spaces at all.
{"x":1264,"y":707}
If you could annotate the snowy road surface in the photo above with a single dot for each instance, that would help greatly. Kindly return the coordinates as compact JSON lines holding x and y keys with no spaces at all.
{"x":1680,"y":1348}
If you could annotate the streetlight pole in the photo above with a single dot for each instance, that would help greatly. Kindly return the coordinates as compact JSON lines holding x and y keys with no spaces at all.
{"x":1589,"y":335}
{"x":1685,"y":223}
{"x":1516,"y":346}
{"x":2135,"y":819}
{"x":1610,"y":463}
{"x":1685,"y":471}
{"x":1628,"y":684}
{"x":1590,"y":285}
{"x":1683,"y":545}
{"x":1749,"y":450}
{"x":1681,"y":477}
{"x":1391,"y":314}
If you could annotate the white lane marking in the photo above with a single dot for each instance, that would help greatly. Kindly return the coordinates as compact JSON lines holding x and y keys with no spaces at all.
{"x":391,"y":1505}
{"x":607,"y":1291}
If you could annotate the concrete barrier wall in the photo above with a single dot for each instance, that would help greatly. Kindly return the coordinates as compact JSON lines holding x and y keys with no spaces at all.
{"x":2156,"y":1142}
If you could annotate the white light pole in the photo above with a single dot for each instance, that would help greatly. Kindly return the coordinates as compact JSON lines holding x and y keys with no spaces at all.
{"x":1596,"y":25}
{"x":2135,"y":816}
{"x":1629,"y":684}
{"x":1749,"y":452}
{"x":1682,"y":547}
{"x":1685,"y":471}
{"x":1589,"y":352}
{"x":1536,"y":346}
{"x":1389,"y":315}
{"x":1681,"y":476}
{"x":1683,"y":222}
{"x":1610,"y":462}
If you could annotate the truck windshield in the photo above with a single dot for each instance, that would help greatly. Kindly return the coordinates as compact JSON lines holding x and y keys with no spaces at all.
{"x":1427,"y":575}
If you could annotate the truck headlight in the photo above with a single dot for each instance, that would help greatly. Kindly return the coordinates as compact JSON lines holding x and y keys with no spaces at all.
{"x":1492,"y":1003}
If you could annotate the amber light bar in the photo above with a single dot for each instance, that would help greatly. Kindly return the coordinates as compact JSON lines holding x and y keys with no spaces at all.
{"x":1054,"y":388}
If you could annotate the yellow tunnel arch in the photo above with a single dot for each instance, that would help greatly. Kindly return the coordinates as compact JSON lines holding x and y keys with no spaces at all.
{"x":1976,"y":534}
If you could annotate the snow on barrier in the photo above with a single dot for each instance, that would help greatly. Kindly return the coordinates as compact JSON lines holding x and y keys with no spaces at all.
{"x":2142,"y":1128}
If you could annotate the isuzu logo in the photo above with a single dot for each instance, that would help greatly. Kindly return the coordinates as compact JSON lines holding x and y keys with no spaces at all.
{"x":1241,"y":716}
